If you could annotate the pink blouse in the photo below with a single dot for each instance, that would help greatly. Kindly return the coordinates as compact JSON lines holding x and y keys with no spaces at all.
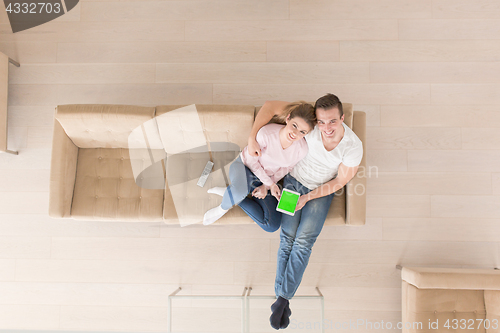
{"x":274,"y":162}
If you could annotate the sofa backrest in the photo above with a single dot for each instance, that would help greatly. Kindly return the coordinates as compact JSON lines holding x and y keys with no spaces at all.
{"x":101,"y":126}
{"x":221,"y":123}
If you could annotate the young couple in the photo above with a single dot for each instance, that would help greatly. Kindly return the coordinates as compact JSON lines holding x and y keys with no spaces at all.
{"x":317,"y":154}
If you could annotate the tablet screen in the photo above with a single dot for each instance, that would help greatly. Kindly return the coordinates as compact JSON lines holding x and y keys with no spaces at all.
{"x":288,"y":201}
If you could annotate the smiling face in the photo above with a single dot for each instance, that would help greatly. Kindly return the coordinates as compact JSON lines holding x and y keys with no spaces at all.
{"x":295,"y":129}
{"x":329,"y":121}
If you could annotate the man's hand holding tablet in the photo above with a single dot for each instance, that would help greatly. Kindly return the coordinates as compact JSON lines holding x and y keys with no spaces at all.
{"x":288,"y":202}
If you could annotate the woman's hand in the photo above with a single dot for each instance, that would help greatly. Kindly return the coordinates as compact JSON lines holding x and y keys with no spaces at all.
{"x":253,"y":147}
{"x":275,"y":191}
{"x":303,"y":199}
{"x":260,"y":192}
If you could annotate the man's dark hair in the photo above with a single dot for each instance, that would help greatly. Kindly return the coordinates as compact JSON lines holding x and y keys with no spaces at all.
{"x":329,"y":101}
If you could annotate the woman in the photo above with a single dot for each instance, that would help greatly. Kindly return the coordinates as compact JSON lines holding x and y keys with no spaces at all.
{"x":282,"y":146}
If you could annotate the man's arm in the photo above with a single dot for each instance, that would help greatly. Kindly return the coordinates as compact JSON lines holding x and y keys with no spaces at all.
{"x":266,"y":113}
{"x":345,"y":174}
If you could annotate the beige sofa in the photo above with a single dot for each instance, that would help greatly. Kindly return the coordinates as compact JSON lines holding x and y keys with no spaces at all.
{"x":92,"y":177}
{"x":467,"y":299}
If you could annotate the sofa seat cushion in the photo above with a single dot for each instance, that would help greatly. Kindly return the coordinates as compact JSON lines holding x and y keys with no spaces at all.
{"x":105,"y":189}
{"x":185,"y":201}
{"x":336,"y":213}
{"x":424,"y":305}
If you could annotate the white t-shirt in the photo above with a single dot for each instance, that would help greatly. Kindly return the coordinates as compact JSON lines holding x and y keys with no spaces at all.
{"x":320,"y":166}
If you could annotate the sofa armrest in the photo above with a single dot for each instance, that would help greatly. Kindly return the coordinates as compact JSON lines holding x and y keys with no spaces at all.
{"x":62,"y":173}
{"x":356,"y":188}
{"x":492,"y":305}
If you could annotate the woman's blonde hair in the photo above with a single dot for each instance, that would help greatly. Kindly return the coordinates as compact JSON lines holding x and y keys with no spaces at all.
{"x":299,"y":109}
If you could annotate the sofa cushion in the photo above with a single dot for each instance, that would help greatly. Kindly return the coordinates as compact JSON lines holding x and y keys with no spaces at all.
{"x":105,"y":189}
{"x":336,"y":213}
{"x":102,"y":126}
{"x":424,"y":305}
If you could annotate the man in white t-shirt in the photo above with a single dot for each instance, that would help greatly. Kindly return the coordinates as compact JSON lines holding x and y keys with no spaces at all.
{"x":335,"y":153}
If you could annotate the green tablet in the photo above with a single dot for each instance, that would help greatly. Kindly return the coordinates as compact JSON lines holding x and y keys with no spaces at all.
{"x":288,"y":202}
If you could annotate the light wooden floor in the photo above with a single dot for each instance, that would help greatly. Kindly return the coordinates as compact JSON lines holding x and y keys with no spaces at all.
{"x":427,"y":72}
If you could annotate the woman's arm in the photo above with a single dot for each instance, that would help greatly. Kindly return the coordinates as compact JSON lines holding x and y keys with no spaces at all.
{"x":253,"y":162}
{"x":266,"y":113}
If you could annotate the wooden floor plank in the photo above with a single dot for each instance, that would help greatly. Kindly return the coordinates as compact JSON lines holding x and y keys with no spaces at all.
{"x":465,"y":206}
{"x":84,"y":74}
{"x":69,"y":32}
{"x":487,"y":116}
{"x":434,"y":72}
{"x":482,"y":9}
{"x":175,"y":272}
{"x":291,"y":30}
{"x":8,"y":271}
{"x":460,"y":229}
{"x":416,"y":253}
{"x":495,"y":177}
{"x":158,"y":52}
{"x":428,"y":50}
{"x":489,"y":138}
{"x":24,"y":247}
{"x":19,"y":180}
{"x":270,"y":72}
{"x":453,"y":160}
{"x":43,"y":225}
{"x":217,"y":10}
{"x":385,"y":160}
{"x":444,"y":183}
{"x":393,"y":205}
{"x":360,"y":9}
{"x":449,"y":29}
{"x":296,"y":51}
{"x":40,"y":317}
{"x":156,"y":249}
{"x":453,"y":94}
{"x":354,"y":93}
{"x":414,"y":138}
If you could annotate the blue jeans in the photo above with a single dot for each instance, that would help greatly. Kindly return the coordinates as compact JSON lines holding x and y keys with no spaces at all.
{"x":243,"y":182}
{"x":298,"y":235}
